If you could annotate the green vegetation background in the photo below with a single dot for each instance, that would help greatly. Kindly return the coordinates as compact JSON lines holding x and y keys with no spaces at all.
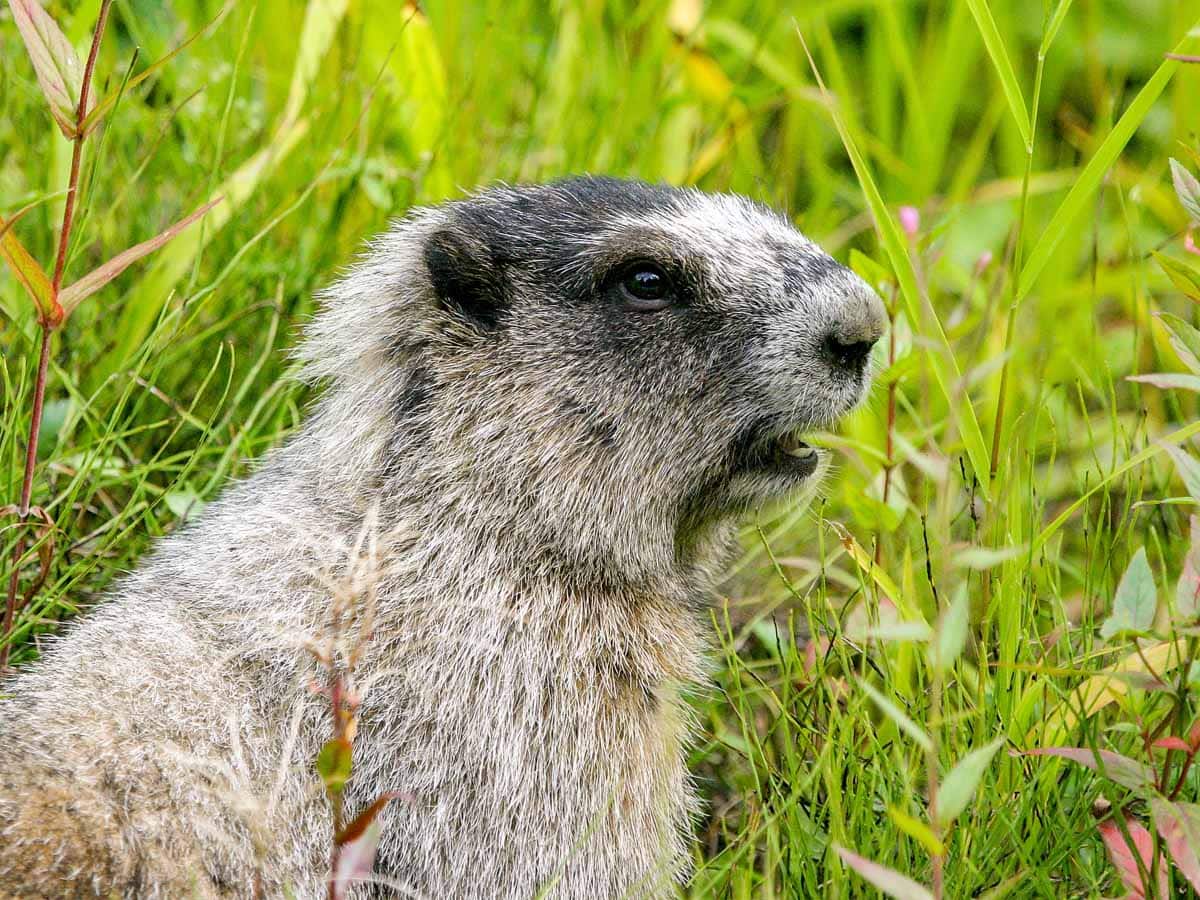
{"x":174,"y":379}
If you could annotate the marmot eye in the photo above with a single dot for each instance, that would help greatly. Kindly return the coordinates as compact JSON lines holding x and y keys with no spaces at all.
{"x":646,"y":287}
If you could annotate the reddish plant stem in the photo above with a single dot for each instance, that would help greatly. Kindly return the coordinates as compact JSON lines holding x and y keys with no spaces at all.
{"x":48,"y":327}
{"x":35,"y":427}
{"x":60,"y":262}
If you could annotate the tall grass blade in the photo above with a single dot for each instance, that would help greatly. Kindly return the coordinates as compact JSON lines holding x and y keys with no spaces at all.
{"x":1003,"y":65}
{"x":321,"y":21}
{"x":942,"y":361}
{"x":1068,"y":212}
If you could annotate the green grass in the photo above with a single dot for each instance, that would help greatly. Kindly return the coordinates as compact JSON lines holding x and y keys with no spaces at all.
{"x":173,"y":380}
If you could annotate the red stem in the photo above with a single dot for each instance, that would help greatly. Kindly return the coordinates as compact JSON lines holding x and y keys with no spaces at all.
{"x":64,"y":240}
{"x":48,"y":326}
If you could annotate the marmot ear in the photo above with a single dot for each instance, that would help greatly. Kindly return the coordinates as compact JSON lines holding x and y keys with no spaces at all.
{"x":467,"y":279}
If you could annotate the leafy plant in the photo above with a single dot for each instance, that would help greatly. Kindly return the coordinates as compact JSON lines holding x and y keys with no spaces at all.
{"x":66,"y":87}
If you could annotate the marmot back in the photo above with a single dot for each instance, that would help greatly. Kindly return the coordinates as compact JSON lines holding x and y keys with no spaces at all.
{"x":550,"y":406}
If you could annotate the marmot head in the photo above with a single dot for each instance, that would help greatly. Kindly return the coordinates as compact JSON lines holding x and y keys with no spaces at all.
{"x":601,"y":372}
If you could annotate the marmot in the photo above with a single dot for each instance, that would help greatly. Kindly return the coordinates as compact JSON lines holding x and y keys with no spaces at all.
{"x":557,"y":401}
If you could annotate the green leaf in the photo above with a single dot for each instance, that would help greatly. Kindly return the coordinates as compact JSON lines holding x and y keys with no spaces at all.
{"x":1008,"y":78}
{"x":177,"y":259}
{"x":333,"y":764}
{"x":1184,"y":338}
{"x":893,"y":712}
{"x":1136,"y":599}
{"x":1187,"y":589}
{"x":1076,"y":202}
{"x":1188,"y":468}
{"x":1124,"y":771}
{"x":29,"y":274}
{"x":59,"y":73}
{"x":942,"y":362}
{"x":958,"y":787}
{"x":917,"y":830}
{"x":951,"y":634}
{"x":1183,"y":274}
{"x":1187,"y":189}
{"x":980,"y":558}
{"x":891,"y":882}
{"x":1168,"y":381}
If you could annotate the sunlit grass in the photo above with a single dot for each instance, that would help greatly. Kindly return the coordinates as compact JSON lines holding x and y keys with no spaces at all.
{"x":1032,"y":257}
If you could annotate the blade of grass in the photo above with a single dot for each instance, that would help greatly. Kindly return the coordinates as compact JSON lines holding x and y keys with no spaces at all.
{"x":1003,"y":65}
{"x":942,"y":361}
{"x":1064,"y":218}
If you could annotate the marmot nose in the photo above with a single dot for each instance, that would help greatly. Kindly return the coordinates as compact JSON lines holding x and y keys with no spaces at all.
{"x":852,"y":355}
{"x":848,"y":343}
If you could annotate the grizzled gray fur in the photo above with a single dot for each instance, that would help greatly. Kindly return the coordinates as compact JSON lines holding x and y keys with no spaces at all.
{"x":556,"y":402}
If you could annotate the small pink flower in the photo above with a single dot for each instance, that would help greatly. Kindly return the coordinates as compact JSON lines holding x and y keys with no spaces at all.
{"x":910,"y":220}
{"x":981,"y":264}
{"x":1189,"y":243}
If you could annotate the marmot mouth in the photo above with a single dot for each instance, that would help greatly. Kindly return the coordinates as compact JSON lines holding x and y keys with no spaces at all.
{"x":784,"y":454}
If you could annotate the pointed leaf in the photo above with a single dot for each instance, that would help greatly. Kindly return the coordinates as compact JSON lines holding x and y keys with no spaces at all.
{"x":1122,"y":858}
{"x":887,"y":880}
{"x":1178,"y":824}
{"x":1184,"y":275}
{"x":1124,"y":771}
{"x":1136,"y":599}
{"x":59,"y":73}
{"x":980,"y":558}
{"x":1076,"y":202}
{"x":354,"y":830}
{"x":1188,"y":468}
{"x":951,"y":634}
{"x":893,"y":712}
{"x":1187,"y":189}
{"x":1169,"y":381}
{"x":355,"y":861}
{"x":1172,"y":743}
{"x":958,"y":787}
{"x":1187,"y":589}
{"x":1056,"y":20}
{"x":29,"y":273}
{"x":1003,"y":65}
{"x":1184,"y":338}
{"x":333,"y":764}
{"x":72,"y":296}
{"x":917,"y":830}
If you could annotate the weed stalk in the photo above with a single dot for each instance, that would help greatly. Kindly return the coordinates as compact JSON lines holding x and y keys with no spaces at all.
{"x":49,"y":323}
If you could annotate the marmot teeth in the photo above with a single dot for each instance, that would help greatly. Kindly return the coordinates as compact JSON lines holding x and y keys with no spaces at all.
{"x":793,"y":444}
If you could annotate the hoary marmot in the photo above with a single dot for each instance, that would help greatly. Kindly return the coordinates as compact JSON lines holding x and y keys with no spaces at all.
{"x":554,"y":403}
